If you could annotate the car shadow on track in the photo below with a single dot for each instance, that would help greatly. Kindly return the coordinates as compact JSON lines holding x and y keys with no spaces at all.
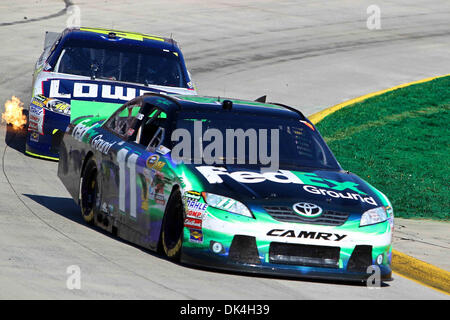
{"x":67,"y":208}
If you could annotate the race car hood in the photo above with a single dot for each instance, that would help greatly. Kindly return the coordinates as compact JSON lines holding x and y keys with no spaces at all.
{"x":338,"y":190}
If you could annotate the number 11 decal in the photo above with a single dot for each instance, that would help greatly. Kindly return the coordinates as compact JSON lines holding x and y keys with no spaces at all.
{"x":125,"y":164}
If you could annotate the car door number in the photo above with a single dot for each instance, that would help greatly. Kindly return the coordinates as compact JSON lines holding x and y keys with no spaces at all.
{"x":127,"y":163}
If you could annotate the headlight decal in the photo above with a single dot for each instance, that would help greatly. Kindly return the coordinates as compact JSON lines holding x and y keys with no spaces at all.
{"x":373,"y":216}
{"x":226,"y":204}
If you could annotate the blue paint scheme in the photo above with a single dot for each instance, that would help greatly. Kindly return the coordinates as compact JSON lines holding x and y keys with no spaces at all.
{"x":78,"y":34}
{"x":55,"y":120}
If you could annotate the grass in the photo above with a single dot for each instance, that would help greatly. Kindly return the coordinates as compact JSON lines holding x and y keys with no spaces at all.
{"x":400,"y":143}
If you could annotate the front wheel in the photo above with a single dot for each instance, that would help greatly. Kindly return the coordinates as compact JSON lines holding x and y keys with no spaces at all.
{"x":172,"y":226}
{"x":89,"y":191}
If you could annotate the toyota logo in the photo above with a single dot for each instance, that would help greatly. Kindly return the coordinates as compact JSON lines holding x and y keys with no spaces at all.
{"x":309,"y":210}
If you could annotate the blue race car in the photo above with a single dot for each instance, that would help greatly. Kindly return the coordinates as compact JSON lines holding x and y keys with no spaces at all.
{"x":85,"y":65}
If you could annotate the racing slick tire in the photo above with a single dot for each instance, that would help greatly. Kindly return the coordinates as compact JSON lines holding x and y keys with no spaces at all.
{"x":173,"y":226}
{"x":89,"y":191}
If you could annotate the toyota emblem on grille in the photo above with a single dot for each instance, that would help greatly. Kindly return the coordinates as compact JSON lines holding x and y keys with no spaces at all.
{"x":309,"y":210}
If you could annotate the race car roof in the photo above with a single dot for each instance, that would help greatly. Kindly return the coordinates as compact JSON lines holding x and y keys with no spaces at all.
{"x":109,"y":35}
{"x":207,"y":103}
{"x":129,"y":35}
{"x":124,"y":36}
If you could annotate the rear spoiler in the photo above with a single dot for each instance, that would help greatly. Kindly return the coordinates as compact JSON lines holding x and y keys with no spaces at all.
{"x":262,"y":99}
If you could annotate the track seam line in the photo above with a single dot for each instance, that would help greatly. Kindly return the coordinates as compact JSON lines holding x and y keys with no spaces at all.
{"x":67,"y":3}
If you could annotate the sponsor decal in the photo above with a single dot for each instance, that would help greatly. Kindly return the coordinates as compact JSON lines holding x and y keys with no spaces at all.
{"x":101,"y":145}
{"x":36,"y":109}
{"x":92,"y":90}
{"x":159,"y":198}
{"x":311,"y":182}
{"x":159,"y":165}
{"x":158,"y":187}
{"x":34,"y":136}
{"x":195,"y":236}
{"x":306,"y":235}
{"x":195,"y":214}
{"x":36,"y":119}
{"x":193,"y":223}
{"x":58,"y":106}
{"x":213,"y":175}
{"x":152,"y":160}
{"x":40,"y":98}
{"x":80,"y":130}
{"x":192,"y":195}
{"x":36,"y":103}
{"x":163,"y":150}
{"x":153,"y":163}
{"x":196,"y":206}
{"x":342,"y":195}
{"x":309,"y":210}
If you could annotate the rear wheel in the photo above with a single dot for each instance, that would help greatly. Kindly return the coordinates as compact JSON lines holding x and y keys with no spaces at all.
{"x":173,"y":226}
{"x":89,"y":191}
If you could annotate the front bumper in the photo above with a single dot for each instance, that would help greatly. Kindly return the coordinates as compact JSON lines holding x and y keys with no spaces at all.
{"x":209,"y":261}
{"x":244,"y":246}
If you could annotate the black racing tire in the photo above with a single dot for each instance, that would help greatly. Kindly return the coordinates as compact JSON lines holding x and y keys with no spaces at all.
{"x":89,"y":191}
{"x":173,"y":226}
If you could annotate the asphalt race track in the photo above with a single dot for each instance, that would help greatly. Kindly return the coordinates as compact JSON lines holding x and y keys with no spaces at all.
{"x":309,"y":54}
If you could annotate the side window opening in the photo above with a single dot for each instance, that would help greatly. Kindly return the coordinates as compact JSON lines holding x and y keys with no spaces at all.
{"x":145,"y":125}
{"x":152,"y":130}
{"x":123,"y":123}
{"x":157,"y":139}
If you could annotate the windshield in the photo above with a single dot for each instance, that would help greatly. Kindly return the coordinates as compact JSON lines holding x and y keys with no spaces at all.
{"x":117,"y":62}
{"x":297,"y":142}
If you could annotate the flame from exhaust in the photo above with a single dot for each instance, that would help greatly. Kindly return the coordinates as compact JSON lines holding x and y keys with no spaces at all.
{"x":14,"y":113}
